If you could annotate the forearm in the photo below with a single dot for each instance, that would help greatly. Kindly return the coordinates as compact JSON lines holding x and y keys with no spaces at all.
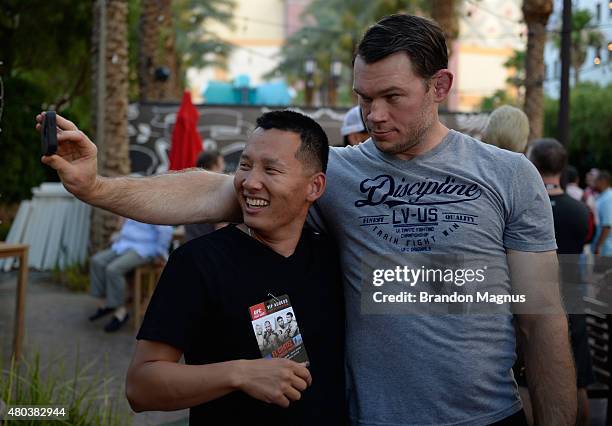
{"x":173,"y":199}
{"x":165,"y":385}
{"x":605,"y":231}
{"x":550,"y":369}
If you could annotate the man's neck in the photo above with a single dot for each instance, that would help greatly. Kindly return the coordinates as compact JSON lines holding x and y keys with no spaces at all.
{"x":283,"y":241}
{"x":553,"y":184}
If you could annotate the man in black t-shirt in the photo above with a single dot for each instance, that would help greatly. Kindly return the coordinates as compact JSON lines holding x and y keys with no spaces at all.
{"x":571,"y":226}
{"x":227,"y":275}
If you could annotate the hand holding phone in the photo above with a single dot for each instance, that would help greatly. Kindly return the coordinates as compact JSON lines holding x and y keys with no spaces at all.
{"x":48,"y":133}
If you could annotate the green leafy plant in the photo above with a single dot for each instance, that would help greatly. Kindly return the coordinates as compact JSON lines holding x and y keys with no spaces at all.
{"x":87,"y":396}
{"x":74,"y":277}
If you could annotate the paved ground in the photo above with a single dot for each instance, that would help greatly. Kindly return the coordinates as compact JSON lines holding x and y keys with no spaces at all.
{"x":57,"y":328}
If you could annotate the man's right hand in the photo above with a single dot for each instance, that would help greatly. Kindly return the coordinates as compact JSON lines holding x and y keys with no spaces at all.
{"x":76,"y":158}
{"x":276,"y":381}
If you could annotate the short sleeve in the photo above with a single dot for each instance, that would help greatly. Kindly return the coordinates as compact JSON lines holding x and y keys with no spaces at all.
{"x":177,"y":305}
{"x":529,"y":223}
{"x":605,"y":211}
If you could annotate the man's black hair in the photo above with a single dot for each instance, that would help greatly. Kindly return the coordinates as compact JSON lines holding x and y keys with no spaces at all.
{"x":548,"y":155}
{"x":208,"y":159}
{"x":571,"y":174}
{"x":314,"y":149}
{"x":420,"y":38}
{"x":605,"y":176}
{"x":279,"y":318}
{"x":289,"y":313}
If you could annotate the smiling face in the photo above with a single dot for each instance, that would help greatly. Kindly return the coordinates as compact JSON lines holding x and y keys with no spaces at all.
{"x":274,"y":188}
{"x":399,"y":107}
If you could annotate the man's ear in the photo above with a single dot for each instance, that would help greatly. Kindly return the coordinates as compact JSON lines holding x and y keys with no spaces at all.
{"x":442,"y":85}
{"x":316,"y":187}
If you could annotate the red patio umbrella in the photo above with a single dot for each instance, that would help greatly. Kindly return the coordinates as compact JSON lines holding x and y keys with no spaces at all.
{"x":186,"y":141}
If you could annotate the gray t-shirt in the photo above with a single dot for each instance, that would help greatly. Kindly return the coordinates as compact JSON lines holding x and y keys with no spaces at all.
{"x":463,"y":197}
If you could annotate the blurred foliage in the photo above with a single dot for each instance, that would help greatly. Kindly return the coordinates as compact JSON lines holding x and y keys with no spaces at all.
{"x":133,"y":29}
{"x":590,"y":125}
{"x":332,"y":30}
{"x":197,"y":45}
{"x":583,"y":37}
{"x":43,"y":66}
{"x":74,"y":277}
{"x":497,"y":99}
{"x":5,"y":227}
{"x":45,"y":51}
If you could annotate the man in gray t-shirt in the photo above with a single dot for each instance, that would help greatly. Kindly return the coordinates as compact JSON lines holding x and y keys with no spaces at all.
{"x":414,"y":191}
{"x":400,"y":365}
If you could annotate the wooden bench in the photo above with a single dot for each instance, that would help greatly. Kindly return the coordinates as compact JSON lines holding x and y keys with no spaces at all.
{"x":20,"y":251}
{"x":143,"y":282}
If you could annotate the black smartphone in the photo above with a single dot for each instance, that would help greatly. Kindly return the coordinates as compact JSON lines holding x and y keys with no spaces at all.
{"x":48,"y":134}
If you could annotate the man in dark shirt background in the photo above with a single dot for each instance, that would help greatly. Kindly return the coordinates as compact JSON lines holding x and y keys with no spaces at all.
{"x":213,"y":161}
{"x":571,"y":227}
{"x":218,"y":277}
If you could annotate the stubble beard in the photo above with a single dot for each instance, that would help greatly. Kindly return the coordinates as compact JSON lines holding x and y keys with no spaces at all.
{"x":414,"y":138}
{"x":417,"y":134}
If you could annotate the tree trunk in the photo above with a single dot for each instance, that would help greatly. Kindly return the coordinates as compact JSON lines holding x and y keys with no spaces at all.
{"x":577,"y":75}
{"x":536,"y":13}
{"x":157,"y":50}
{"x":443,"y":12}
{"x":110,"y":121}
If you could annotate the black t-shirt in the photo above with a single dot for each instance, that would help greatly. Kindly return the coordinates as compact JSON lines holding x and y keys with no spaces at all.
{"x":571,"y":223}
{"x":201,"y":306}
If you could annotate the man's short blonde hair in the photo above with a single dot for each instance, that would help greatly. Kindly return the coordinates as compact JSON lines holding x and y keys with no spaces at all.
{"x":508,"y":128}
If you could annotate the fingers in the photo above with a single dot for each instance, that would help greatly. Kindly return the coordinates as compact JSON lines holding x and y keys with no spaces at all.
{"x":61,"y":122}
{"x":301,"y":371}
{"x":77,"y":136}
{"x":65,"y":124}
{"x":55,"y":161}
{"x":299,"y":383}
{"x":292,"y":394}
{"x":281,"y":400}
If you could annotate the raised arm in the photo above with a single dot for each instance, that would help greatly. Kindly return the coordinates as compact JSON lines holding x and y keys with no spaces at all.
{"x":156,"y":381}
{"x":543,"y":331}
{"x":175,"y":198}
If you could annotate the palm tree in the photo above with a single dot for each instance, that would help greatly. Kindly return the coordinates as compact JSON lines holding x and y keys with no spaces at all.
{"x":583,"y":37}
{"x":444,"y":12}
{"x":110,"y":70}
{"x":158,"y":66}
{"x":173,"y":36}
{"x":336,"y":26}
{"x":536,"y":14}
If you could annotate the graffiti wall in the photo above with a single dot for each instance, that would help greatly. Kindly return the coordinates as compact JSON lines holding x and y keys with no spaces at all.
{"x":227,"y":128}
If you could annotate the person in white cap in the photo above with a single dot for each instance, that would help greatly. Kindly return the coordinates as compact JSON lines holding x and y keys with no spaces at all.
{"x":353,"y":130}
